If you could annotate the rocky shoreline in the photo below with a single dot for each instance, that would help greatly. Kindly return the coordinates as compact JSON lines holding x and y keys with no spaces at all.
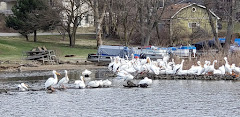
{"x":17,"y":67}
{"x":188,"y":77}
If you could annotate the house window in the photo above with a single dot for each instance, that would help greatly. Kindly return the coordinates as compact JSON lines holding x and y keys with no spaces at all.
{"x":193,"y":9}
{"x":193,"y":25}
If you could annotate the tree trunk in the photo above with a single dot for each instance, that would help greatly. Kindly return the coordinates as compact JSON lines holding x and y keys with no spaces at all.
{"x":26,"y":36}
{"x":157,"y":30}
{"x":141,"y":22}
{"x":230,"y":26}
{"x":95,"y":12}
{"x":70,"y":39}
{"x":215,"y":34}
{"x":99,"y":34}
{"x":146,"y":43}
{"x":229,"y":36}
{"x":99,"y":19}
{"x":35,"y":36}
{"x":110,"y":24}
{"x":125,"y":32}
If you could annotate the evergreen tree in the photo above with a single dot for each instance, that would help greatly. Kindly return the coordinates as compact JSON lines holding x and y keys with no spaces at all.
{"x":30,"y":16}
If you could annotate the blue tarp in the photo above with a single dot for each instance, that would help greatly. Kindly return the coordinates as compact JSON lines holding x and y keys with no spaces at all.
{"x":237,"y":40}
{"x":187,"y":47}
{"x":211,"y":43}
{"x":172,"y":48}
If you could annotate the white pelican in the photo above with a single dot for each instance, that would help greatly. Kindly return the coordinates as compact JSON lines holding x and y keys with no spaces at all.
{"x":202,"y":69}
{"x":107,"y":83}
{"x":152,"y":67}
{"x":64,"y":80}
{"x":171,"y":64}
{"x":93,"y":84}
{"x":206,"y":67}
{"x":124,"y":75}
{"x":52,"y":81}
{"x":86,"y":73}
{"x":116,"y":65}
{"x":80,"y":83}
{"x":209,"y":68}
{"x":110,"y":65}
{"x":227,"y":66}
{"x":219,"y":71}
{"x":100,"y":83}
{"x":22,"y":87}
{"x":178,"y":66}
{"x":194,"y":69}
{"x":145,"y":82}
{"x":235,"y":70}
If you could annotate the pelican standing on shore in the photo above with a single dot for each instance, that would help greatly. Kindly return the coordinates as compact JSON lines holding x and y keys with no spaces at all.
{"x":63,"y":81}
{"x":52,"y":81}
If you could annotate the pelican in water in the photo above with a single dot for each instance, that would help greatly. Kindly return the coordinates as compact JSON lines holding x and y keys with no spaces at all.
{"x":52,"y":81}
{"x":80,"y":83}
{"x":107,"y":83}
{"x":64,"y":80}
{"x":86,"y":73}
{"x":145,"y":82}
{"x":22,"y":87}
{"x":93,"y":84}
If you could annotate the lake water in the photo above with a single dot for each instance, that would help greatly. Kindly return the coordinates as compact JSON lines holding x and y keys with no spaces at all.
{"x":164,"y":98}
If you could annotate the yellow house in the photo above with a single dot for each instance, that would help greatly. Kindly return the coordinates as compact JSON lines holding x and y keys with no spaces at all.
{"x":184,"y":20}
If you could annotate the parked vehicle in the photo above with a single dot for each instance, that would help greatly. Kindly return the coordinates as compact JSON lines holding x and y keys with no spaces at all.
{"x":106,"y":51}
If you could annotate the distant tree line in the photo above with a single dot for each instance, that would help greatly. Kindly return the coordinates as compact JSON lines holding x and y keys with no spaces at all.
{"x":131,"y":21}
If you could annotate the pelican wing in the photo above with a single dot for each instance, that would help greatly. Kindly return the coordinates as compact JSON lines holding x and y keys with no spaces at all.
{"x":49,"y":82}
{"x":79,"y":84}
{"x":63,"y":81}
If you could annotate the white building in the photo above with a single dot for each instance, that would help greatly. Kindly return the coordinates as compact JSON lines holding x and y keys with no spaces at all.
{"x":87,"y":20}
{"x":6,"y":6}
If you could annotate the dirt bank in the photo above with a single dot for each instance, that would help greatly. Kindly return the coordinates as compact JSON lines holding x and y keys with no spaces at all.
{"x":14,"y":66}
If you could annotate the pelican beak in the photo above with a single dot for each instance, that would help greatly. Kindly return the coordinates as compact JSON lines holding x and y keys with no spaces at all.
{"x":58,"y":74}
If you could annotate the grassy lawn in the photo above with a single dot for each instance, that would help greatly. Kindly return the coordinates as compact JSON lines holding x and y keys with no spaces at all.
{"x":11,"y":48}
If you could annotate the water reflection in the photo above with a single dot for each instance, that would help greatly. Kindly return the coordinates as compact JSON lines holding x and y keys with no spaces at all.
{"x":163,"y":98}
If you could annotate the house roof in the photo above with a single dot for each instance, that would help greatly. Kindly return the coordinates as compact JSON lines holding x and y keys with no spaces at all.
{"x":169,"y":11}
{"x":172,"y":10}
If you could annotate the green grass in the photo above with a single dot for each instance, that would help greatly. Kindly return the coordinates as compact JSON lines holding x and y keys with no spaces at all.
{"x":11,"y":48}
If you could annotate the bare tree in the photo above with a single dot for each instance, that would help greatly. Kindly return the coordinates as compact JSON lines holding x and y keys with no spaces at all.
{"x":126,"y":14}
{"x":111,"y":23}
{"x":99,"y":9}
{"x":73,"y":13}
{"x":150,"y":12}
{"x":212,"y":24}
{"x":231,"y":17}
